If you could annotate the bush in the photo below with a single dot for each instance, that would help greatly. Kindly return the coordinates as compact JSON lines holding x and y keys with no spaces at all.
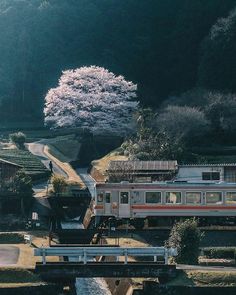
{"x":186,"y":237}
{"x":59,"y":184}
{"x":11,"y":238}
{"x":219,"y":253}
{"x":18,"y":138}
{"x":22,"y":184}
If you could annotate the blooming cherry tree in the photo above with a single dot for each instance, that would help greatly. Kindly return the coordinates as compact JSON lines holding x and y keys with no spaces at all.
{"x":92,"y":98}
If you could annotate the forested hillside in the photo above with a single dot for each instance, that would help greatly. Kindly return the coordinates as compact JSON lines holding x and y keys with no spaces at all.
{"x":165,"y":46}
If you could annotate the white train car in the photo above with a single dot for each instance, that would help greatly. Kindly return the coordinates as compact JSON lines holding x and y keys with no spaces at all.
{"x":165,"y":201}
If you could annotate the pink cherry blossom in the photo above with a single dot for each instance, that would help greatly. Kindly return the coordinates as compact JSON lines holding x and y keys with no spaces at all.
{"x":92,"y":98}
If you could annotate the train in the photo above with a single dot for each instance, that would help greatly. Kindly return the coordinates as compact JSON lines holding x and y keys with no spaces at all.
{"x":162,"y":203}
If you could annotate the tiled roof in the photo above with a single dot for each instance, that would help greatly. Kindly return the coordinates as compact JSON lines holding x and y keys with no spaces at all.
{"x":10,"y":163}
{"x":143,"y":165}
{"x":209,"y":165}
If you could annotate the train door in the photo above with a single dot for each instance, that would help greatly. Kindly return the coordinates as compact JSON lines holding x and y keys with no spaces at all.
{"x":124,"y":204}
{"x":107,"y":203}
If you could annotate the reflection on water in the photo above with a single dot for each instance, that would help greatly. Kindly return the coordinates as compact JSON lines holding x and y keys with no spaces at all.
{"x":92,"y":286}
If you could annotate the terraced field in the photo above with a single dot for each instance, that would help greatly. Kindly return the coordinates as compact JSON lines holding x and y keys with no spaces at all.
{"x":31,"y":164}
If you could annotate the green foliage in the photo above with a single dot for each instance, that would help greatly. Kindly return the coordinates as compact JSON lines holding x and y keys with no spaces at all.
{"x":153,"y":147}
{"x":167,"y":135}
{"x":221,"y":111}
{"x":155,"y":43}
{"x":217,"y":64}
{"x":182,"y":123}
{"x":186,"y":237}
{"x":18,"y":138}
{"x":59,"y":183}
{"x":11,"y":238}
{"x":22,"y":183}
{"x":212,"y":119}
{"x":220,"y":252}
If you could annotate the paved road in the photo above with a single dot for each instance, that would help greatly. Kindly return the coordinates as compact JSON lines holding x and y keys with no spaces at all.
{"x":8,"y":254}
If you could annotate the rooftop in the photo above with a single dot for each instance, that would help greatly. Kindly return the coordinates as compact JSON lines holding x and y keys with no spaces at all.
{"x":143,"y":165}
{"x":10,"y":163}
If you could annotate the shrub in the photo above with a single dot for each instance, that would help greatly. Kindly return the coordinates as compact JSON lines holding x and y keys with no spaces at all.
{"x":18,"y":138}
{"x":186,"y":237}
{"x":11,"y":238}
{"x":59,"y":183}
{"x":221,"y":253}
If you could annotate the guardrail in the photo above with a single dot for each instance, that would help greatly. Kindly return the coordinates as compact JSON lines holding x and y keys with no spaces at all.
{"x":86,"y":253}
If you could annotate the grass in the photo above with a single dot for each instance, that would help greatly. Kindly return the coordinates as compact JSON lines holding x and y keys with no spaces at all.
{"x":101,"y":165}
{"x":31,"y":164}
{"x":26,"y":259}
{"x":67,"y":145}
{"x":204,"y":278}
{"x":73,"y":177}
{"x":184,"y":277}
{"x":11,"y":238}
{"x":34,"y":135}
{"x":17,"y":275}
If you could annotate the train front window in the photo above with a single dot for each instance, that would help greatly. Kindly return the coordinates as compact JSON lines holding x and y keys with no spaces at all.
{"x":173,"y":197}
{"x":153,"y":197}
{"x":214,"y":198}
{"x":193,"y":197}
{"x":230,"y":198}
{"x":108,"y":197}
{"x":100,"y":197}
{"x":124,"y":197}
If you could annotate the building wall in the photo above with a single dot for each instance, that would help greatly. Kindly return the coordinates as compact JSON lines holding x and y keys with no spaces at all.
{"x":194,"y":174}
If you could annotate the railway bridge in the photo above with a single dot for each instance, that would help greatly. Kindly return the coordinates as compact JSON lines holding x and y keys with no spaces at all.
{"x":89,"y":262}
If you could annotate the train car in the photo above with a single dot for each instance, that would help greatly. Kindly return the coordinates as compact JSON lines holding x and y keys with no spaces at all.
{"x":164,"y":202}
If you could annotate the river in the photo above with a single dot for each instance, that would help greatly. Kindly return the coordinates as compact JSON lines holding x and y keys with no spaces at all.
{"x":92,"y":286}
{"x":88,"y":286}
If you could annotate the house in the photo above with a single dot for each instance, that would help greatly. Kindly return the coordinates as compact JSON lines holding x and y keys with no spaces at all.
{"x":207,"y":173}
{"x":10,"y":203}
{"x":150,"y":171}
{"x":141,"y":171}
{"x":8,"y":171}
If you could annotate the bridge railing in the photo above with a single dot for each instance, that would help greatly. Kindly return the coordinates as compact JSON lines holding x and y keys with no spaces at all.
{"x":85,"y":254}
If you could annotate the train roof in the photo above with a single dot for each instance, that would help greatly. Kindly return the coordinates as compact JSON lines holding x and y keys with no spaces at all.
{"x":131,"y":185}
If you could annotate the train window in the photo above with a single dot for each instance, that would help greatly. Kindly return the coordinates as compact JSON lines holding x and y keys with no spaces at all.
{"x":108,"y":197}
{"x":124,"y":197}
{"x":173,"y":197}
{"x":214,"y":198}
{"x":153,"y":197}
{"x":230,"y":198}
{"x":100,"y":197}
{"x":193,"y":197}
{"x":210,"y":175}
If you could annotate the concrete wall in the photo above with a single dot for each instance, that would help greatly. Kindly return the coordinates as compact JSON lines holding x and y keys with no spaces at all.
{"x":156,"y":289}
